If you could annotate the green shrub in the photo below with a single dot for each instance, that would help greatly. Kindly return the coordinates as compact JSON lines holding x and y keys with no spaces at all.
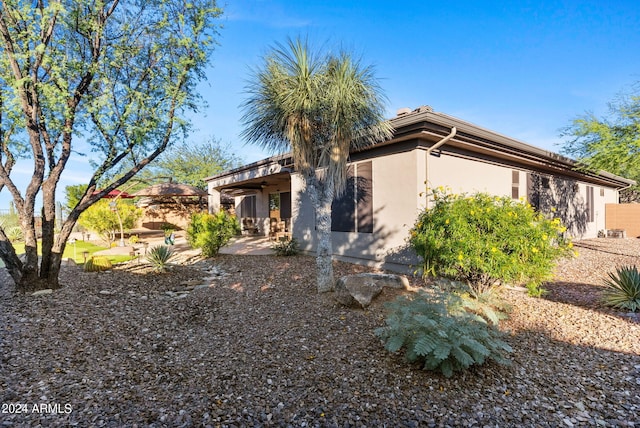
{"x":623,"y":289}
{"x":286,"y":247}
{"x":159,"y":257}
{"x":97,"y":264}
{"x":437,"y":331}
{"x":485,"y":240}
{"x":210,"y":232}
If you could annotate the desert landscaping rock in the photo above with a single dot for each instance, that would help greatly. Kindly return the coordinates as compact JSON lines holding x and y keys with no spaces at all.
{"x":259,"y":347}
{"x":361,"y":289}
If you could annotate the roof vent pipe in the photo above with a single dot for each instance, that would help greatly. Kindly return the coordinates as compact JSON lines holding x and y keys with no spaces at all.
{"x":429,"y":151}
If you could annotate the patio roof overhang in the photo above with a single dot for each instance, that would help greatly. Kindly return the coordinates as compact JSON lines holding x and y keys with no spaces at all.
{"x":279,"y":180}
{"x":254,"y":177}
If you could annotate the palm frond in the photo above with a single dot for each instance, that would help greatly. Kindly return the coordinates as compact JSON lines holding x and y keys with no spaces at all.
{"x":318,"y":107}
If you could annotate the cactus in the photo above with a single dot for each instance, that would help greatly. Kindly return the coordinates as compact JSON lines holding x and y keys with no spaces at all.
{"x":97,"y":264}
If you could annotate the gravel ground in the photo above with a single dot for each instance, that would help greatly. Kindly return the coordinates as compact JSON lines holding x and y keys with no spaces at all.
{"x":258,"y":347}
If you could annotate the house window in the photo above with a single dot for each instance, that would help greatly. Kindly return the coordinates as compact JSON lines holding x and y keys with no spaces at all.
{"x":280,"y":205}
{"x":353,"y":211}
{"x":248,"y":206}
{"x":590,"y":205}
{"x":285,"y":205}
{"x":274,"y":205}
{"x":515,"y":184}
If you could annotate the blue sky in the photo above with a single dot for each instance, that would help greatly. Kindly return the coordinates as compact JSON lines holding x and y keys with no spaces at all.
{"x":520,"y":68}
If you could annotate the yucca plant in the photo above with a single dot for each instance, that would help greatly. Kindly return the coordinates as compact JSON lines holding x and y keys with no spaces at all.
{"x":159,"y":257}
{"x":623,"y":289}
{"x":97,"y":264}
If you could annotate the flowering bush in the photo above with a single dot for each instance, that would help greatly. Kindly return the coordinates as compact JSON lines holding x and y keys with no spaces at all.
{"x":482,"y":239}
{"x":210,"y":232}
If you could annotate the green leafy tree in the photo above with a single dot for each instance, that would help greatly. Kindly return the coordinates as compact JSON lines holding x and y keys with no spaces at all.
{"x":119,"y":73}
{"x":610,"y":143}
{"x":73,"y":195}
{"x":190,"y":164}
{"x":318,"y":107}
{"x":103,"y":219}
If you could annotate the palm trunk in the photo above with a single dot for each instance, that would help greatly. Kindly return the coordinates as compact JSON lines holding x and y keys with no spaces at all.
{"x":321,"y":197}
{"x":324,"y":261}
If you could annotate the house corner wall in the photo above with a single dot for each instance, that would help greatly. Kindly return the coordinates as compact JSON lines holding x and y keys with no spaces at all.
{"x":302,"y":215}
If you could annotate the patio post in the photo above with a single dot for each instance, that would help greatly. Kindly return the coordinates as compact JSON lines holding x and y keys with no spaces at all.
{"x":214,"y":200}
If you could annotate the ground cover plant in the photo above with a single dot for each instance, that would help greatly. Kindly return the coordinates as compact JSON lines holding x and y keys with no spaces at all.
{"x":436,"y":330}
{"x":97,"y":264}
{"x":483,"y":240}
{"x":286,"y":247}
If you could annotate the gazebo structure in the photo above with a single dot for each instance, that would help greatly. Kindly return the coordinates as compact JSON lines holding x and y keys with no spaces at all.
{"x":170,"y":205}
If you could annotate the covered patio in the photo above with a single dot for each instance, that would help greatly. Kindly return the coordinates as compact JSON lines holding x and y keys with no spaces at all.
{"x":260,"y":195}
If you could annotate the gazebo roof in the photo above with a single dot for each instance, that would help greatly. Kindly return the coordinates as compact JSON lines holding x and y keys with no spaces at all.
{"x":170,"y":189}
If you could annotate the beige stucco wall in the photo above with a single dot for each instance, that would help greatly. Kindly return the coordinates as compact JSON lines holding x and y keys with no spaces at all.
{"x":609,"y":196}
{"x":468,"y":176}
{"x":463,"y":175}
{"x":399,"y":193}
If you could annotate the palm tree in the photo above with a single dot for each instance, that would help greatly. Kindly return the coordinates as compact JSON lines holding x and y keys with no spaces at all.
{"x":319,"y":108}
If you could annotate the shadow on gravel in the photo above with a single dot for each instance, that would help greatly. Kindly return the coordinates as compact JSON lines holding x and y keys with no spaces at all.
{"x":261,"y":348}
{"x":585,"y":296}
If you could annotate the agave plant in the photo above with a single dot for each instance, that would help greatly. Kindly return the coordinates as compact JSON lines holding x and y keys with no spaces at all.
{"x":623,"y":289}
{"x":159,"y":257}
{"x":14,"y":233}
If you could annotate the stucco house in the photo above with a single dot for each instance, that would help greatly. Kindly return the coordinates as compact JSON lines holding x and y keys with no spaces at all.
{"x":387,"y":186}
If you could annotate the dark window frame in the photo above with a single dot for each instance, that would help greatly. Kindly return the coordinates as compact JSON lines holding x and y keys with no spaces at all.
{"x":248,"y":206}
{"x":590,"y":205}
{"x":353,"y":210}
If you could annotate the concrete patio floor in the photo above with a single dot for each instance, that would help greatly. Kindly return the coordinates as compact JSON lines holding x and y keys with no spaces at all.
{"x":248,"y":246}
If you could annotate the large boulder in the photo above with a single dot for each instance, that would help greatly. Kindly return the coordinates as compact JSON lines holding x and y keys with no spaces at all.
{"x":361,"y":289}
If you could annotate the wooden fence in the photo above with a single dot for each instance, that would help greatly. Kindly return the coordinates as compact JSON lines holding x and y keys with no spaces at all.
{"x":623,"y":217}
